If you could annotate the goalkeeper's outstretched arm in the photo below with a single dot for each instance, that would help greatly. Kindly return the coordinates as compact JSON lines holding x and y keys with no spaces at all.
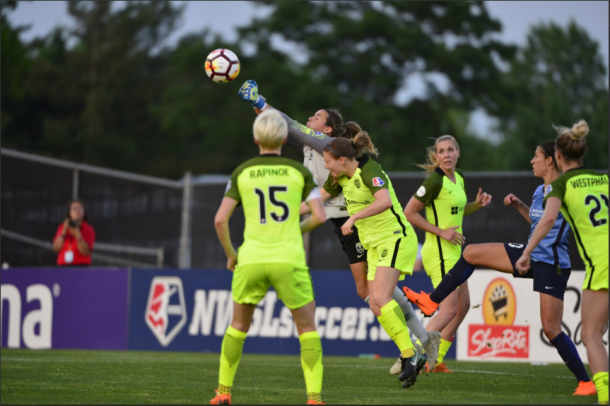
{"x":298,"y":134}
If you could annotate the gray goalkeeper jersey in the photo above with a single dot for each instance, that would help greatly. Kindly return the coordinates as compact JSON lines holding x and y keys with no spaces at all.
{"x":312,"y":144}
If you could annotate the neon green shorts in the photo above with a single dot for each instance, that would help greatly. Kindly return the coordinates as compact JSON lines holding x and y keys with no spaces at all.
{"x":398,"y":254}
{"x":291,"y":282}
{"x":600,"y":278}
{"x":435,"y":271}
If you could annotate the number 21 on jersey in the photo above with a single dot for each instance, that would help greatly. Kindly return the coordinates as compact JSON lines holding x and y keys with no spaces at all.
{"x":596,"y":208}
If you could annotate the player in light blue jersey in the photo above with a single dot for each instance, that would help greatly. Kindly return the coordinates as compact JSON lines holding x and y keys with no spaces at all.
{"x":550,"y":267}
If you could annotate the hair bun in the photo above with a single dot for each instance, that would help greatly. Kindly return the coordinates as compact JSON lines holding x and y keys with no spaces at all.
{"x":579,"y":130}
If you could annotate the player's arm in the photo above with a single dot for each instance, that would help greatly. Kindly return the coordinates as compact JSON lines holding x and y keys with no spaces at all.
{"x":523,"y":209}
{"x":412,"y":214}
{"x":306,"y":208}
{"x":298,"y":134}
{"x":382,"y":202}
{"x":221,"y":222}
{"x":551,"y":211}
{"x":482,"y":200}
{"x":318,"y":216}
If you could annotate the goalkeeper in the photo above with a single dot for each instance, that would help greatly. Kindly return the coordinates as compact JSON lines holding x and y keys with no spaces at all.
{"x":320,"y":130}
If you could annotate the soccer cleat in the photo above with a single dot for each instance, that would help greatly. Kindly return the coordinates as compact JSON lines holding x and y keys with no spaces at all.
{"x":585,"y":389}
{"x":313,"y":402}
{"x":221,"y":399}
{"x":442,"y":368}
{"x":432,"y":347}
{"x":410,"y":369}
{"x":397,"y":367}
{"x":422,"y":300}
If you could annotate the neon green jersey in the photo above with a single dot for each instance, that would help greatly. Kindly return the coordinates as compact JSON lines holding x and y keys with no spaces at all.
{"x":445,"y":202}
{"x":271,"y":189}
{"x":584,"y":197}
{"x":359,"y":191}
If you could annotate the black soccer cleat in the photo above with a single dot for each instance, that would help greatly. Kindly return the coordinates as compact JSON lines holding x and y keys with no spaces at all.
{"x":410,"y":369}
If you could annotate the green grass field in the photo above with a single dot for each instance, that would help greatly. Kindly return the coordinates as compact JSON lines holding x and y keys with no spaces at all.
{"x":114,"y":377}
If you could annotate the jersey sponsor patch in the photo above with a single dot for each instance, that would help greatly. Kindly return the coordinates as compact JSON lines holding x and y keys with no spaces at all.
{"x":378,"y":182}
{"x":421,"y":191}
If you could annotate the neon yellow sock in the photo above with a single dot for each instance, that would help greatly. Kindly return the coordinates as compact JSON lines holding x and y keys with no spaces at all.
{"x":311,"y":362}
{"x":600,"y":380}
{"x":393,"y":322}
{"x":232,"y":347}
{"x":442,"y":350}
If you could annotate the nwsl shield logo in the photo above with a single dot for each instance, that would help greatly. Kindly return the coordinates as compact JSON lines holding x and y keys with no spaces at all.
{"x":378,"y":182}
{"x":165,"y":311}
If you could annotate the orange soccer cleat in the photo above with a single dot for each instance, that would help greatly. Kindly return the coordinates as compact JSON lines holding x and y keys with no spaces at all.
{"x":221,"y":399}
{"x":313,"y":402}
{"x":585,"y":389}
{"x":442,"y":368}
{"x":422,"y":300}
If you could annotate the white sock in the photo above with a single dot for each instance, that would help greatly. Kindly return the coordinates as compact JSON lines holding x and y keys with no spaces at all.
{"x":413,"y":323}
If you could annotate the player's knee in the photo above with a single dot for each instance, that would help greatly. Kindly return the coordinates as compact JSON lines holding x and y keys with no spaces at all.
{"x":551,"y":329}
{"x":470,"y":253}
{"x":589,"y":335}
{"x":464,"y":304}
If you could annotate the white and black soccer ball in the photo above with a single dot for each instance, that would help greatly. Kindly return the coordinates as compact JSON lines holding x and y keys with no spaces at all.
{"x":222,"y":66}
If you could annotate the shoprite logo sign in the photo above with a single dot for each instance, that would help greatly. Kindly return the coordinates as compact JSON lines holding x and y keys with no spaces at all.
{"x":498,"y":337}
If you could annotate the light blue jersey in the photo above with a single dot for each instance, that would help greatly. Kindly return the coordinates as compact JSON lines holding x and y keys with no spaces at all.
{"x":553,"y":249}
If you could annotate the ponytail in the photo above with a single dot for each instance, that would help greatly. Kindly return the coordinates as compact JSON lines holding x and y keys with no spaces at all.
{"x":356,"y":148}
{"x":571,"y":141}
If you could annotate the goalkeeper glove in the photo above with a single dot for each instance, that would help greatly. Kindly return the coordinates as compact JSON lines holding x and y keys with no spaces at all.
{"x":249,"y":92}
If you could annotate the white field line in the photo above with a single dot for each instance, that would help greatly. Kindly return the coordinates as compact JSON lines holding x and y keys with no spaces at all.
{"x":468,"y":371}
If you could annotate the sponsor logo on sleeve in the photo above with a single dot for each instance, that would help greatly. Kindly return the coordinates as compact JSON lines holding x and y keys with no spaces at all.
{"x":378,"y":182}
{"x":421,"y":191}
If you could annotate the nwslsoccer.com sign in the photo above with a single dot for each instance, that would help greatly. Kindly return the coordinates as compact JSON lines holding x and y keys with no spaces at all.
{"x":504,"y":320}
{"x":190,"y":311}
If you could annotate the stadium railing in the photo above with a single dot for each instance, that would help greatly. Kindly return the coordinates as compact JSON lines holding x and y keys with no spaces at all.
{"x":95,"y":255}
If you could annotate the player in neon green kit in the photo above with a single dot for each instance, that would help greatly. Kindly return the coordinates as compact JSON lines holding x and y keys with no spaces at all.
{"x":582,"y":197}
{"x":444,"y":198}
{"x":390,"y":241}
{"x":271,"y":189}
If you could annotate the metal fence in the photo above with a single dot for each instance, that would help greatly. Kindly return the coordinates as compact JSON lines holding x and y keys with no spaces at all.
{"x":130,"y":210}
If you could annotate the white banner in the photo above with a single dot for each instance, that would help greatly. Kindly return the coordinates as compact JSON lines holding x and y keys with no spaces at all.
{"x":503,"y":323}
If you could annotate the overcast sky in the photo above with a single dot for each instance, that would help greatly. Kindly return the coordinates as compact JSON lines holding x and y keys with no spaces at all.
{"x":223,"y":16}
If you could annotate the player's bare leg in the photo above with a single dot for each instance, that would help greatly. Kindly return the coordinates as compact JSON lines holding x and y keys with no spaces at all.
{"x":551,"y":314}
{"x":594,"y":313}
{"x":492,"y":256}
{"x":359,"y":273}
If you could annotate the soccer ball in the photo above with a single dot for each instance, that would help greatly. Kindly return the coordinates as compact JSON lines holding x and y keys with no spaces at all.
{"x":222,"y":66}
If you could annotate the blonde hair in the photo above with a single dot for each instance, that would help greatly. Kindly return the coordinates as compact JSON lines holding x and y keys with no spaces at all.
{"x":431,"y":163}
{"x":270,"y":129}
{"x":571,"y":141}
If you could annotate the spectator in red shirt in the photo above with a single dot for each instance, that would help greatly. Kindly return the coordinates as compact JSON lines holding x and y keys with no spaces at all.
{"x":75,"y":237}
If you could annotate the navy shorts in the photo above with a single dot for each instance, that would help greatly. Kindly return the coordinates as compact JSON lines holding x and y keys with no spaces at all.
{"x":351,"y":243}
{"x":547,"y":278}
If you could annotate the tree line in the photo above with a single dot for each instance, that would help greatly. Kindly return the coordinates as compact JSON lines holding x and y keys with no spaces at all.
{"x":109,"y":91}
